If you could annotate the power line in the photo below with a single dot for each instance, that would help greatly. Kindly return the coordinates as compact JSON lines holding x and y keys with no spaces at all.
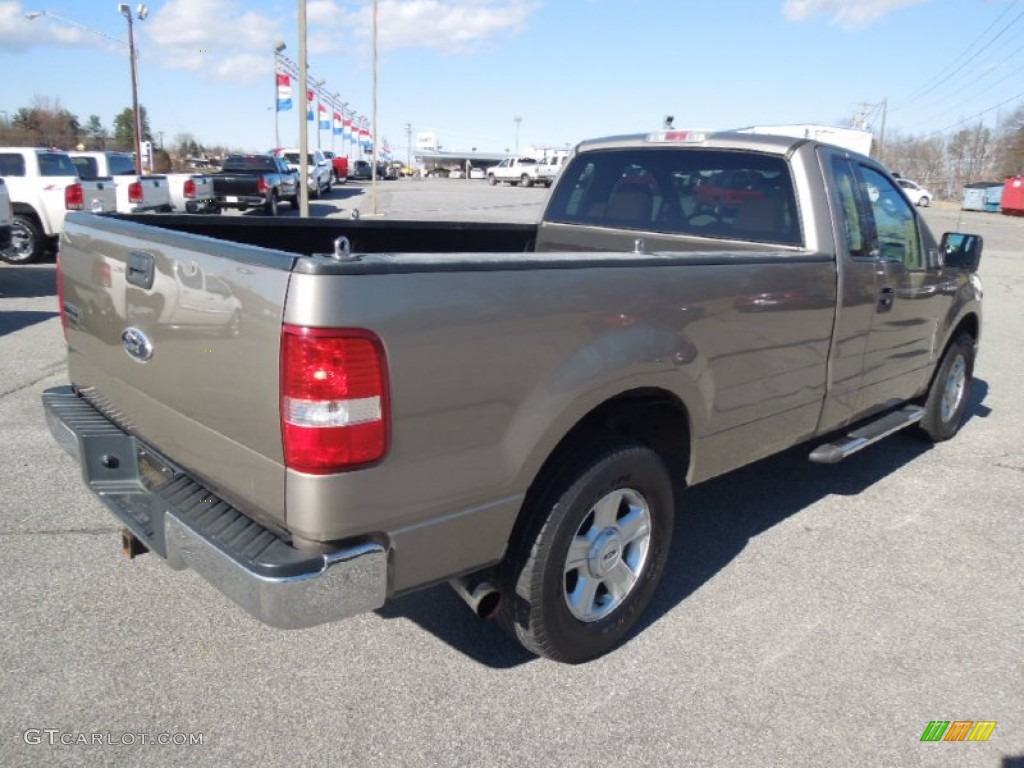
{"x":945,"y":75}
{"x":983,"y":112}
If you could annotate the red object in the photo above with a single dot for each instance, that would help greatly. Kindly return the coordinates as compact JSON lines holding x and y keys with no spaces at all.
{"x":190,"y":189}
{"x":135,"y":192}
{"x":1012,"y":202}
{"x":335,"y":412}
{"x":74,"y":197}
{"x":261,"y":185}
{"x":340,"y":167}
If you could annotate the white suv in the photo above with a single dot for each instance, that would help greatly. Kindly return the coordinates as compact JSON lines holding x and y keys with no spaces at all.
{"x":320,"y":176}
{"x":916,"y":194}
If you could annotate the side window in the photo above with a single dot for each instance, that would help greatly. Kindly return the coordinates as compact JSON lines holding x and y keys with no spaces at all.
{"x":857,"y":237}
{"x":894,"y":219}
{"x":12,"y":164}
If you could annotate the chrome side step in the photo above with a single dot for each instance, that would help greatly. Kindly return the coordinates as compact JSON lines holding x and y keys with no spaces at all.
{"x":832,"y":453}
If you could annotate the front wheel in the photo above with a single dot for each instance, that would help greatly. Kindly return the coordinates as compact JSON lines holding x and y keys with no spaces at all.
{"x":526,"y":180}
{"x":589,"y":558}
{"x":923,"y":201}
{"x":492,"y":180}
{"x":950,"y":391}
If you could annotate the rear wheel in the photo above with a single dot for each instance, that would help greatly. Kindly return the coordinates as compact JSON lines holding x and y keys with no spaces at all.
{"x":950,"y":391}
{"x":589,"y":558}
{"x":28,"y":243}
{"x":270,"y":208}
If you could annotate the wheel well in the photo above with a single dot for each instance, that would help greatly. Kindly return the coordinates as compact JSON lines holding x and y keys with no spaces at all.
{"x":968,"y":325}
{"x":653,"y":417}
{"x":26,"y":210}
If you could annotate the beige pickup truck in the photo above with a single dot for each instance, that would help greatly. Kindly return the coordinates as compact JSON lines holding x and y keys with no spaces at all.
{"x":350,"y":411}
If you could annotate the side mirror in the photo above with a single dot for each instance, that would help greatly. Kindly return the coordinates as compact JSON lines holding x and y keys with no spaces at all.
{"x":961,"y":251}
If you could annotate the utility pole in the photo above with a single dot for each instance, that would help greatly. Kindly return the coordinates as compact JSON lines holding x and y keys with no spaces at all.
{"x":303,"y":127}
{"x":408,"y":145}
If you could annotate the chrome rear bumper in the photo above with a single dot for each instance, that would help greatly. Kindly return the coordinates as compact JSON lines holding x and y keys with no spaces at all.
{"x":176,"y":517}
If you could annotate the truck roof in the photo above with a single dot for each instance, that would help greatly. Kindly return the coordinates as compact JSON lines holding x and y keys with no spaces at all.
{"x":674,"y":139}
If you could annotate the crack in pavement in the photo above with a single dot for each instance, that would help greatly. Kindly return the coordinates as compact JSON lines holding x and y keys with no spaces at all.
{"x":32,"y":383}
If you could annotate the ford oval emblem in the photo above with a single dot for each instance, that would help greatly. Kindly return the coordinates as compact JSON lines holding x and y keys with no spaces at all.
{"x":137,"y":344}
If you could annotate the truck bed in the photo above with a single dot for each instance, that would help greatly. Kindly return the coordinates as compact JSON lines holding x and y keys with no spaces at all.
{"x":307,"y":237}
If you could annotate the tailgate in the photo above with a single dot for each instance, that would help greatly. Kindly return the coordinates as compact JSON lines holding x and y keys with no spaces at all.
{"x":176,"y":337}
{"x":243,"y":184}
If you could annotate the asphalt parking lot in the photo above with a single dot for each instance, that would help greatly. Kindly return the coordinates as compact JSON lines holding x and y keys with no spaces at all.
{"x":809,"y":615}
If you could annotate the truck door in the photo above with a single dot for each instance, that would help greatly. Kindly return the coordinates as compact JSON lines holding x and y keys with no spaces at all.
{"x":856,"y":303}
{"x":911,"y":294}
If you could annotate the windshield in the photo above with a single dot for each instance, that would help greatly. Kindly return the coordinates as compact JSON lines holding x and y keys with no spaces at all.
{"x":293,"y":158}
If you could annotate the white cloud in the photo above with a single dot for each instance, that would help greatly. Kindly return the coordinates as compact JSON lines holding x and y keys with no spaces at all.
{"x":449,"y":26}
{"x":18,"y":33}
{"x":218,"y":36}
{"x":850,"y":14}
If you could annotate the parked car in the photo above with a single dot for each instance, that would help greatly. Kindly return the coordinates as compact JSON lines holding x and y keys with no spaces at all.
{"x":256,"y":181}
{"x":360,"y":170}
{"x":136,"y":193}
{"x":515,"y":408}
{"x":44,"y":185}
{"x":319,"y":171}
{"x":339,"y":167}
{"x":192,"y":193}
{"x":477,"y":173}
{"x":917,"y":194}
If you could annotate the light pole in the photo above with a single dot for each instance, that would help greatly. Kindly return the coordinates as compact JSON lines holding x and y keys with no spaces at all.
{"x":278,"y":47}
{"x":142,"y":12}
{"x":517,"y":120}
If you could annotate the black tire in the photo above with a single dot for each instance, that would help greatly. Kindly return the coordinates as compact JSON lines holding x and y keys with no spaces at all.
{"x":526,"y":181}
{"x":950,"y":392}
{"x":492,"y":180}
{"x":28,"y":243}
{"x":924,"y":201}
{"x":573,"y":614}
{"x":294,"y":202}
{"x":271,"y":208}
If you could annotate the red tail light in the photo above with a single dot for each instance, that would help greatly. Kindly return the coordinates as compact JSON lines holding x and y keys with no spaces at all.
{"x":190,"y":189}
{"x":335,"y":412}
{"x":261,"y":185}
{"x":60,"y":297}
{"x":135,"y":192}
{"x":74,"y":197}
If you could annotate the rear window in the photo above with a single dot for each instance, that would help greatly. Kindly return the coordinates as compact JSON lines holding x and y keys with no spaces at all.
{"x":249,"y":163}
{"x":55,"y":164}
{"x":707,"y":193}
{"x":121,"y":165}
{"x":87,"y":167}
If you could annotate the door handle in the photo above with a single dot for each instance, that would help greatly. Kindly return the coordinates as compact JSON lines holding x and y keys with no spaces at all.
{"x":886,"y":296}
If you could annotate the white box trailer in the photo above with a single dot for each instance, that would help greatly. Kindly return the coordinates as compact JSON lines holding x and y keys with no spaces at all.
{"x":849,"y":138}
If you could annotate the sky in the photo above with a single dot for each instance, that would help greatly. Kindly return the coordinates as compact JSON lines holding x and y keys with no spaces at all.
{"x":500,"y":74}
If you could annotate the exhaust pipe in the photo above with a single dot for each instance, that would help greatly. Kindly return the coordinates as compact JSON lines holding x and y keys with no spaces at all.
{"x":479,"y":594}
{"x":131,"y":546}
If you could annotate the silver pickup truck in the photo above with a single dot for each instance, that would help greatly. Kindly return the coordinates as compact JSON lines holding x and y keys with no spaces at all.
{"x":319,"y":415}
